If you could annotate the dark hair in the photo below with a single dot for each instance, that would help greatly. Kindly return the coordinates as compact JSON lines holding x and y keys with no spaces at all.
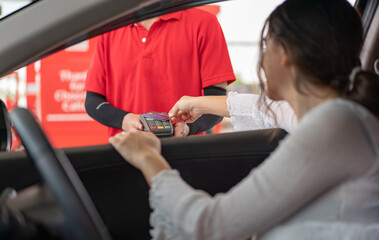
{"x":323,"y":38}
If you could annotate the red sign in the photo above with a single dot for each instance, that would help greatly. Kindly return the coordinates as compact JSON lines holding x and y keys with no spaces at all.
{"x":55,"y":93}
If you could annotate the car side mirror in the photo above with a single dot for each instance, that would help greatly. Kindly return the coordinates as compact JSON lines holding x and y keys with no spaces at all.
{"x":5,"y":128}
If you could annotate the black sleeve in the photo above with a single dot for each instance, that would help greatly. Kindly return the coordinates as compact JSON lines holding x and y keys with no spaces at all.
{"x":207,"y":121}
{"x":99,"y":109}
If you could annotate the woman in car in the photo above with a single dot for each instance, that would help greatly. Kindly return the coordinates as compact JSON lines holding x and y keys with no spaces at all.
{"x":322,"y":182}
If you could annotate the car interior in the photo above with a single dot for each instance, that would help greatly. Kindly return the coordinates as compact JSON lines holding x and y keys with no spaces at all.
{"x":90,"y":192}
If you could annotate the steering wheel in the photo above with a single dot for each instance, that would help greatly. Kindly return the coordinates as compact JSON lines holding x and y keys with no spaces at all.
{"x":81,"y":216}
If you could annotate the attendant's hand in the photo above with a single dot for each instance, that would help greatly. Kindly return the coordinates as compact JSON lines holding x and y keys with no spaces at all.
{"x":131,"y":123}
{"x":181,"y":129}
{"x":142,"y":150}
{"x":185,"y":109}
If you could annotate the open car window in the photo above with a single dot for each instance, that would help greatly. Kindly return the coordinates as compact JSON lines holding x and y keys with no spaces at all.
{"x":52,"y":87}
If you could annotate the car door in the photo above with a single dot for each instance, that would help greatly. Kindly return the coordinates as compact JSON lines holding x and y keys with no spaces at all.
{"x":213,"y":163}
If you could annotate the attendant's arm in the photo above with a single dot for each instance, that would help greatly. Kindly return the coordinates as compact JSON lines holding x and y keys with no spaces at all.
{"x":99,"y":109}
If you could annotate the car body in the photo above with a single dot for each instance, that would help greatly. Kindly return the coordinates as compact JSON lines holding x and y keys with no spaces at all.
{"x":213,"y":163}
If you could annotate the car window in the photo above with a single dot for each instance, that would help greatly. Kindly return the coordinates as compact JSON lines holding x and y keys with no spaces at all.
{"x":53,"y":87}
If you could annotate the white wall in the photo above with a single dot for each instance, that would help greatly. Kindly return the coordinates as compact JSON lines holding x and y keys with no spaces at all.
{"x":242,"y":21}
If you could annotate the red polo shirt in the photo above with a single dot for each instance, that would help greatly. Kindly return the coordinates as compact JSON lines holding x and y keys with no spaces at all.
{"x":141,"y":71}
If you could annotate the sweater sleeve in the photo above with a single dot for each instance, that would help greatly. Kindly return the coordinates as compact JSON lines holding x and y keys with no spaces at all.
{"x":246,"y":113}
{"x":320,"y":154}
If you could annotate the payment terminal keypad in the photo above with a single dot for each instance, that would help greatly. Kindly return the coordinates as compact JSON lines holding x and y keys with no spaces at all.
{"x":158,"y":123}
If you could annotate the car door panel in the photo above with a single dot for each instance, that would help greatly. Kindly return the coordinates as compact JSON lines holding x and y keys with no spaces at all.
{"x":213,"y":163}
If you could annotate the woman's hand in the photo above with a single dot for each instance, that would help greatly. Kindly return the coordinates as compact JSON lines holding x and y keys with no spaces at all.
{"x":142,"y":150}
{"x":134,"y":146}
{"x":185,"y":109}
{"x":131,"y":123}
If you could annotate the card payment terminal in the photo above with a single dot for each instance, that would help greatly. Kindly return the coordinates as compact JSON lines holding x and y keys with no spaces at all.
{"x":157,"y":123}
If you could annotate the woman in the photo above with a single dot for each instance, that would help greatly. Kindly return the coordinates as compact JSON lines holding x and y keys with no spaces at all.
{"x":322,"y":182}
